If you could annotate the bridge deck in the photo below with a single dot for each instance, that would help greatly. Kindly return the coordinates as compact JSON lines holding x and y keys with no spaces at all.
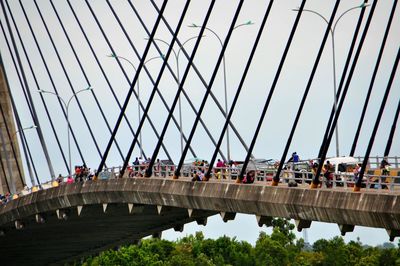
{"x":89,"y":228}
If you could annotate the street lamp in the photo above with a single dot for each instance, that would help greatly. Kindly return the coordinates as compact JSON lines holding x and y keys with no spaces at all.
{"x":138,"y":89}
{"x":176,"y":54}
{"x":66,"y":105}
{"x":332,"y":31}
{"x":25,"y":152}
{"x":23,"y":129}
{"x":248,"y":23}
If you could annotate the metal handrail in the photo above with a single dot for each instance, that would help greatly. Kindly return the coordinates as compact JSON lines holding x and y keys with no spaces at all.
{"x":340,"y":180}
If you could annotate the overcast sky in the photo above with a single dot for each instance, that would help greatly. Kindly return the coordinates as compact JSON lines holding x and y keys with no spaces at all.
{"x":284,"y":104}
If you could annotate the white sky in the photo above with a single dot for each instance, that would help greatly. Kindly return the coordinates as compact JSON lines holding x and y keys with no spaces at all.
{"x":284,"y":104}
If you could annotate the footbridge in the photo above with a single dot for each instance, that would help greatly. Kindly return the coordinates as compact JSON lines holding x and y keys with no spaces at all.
{"x":73,"y":220}
{"x":95,"y":84}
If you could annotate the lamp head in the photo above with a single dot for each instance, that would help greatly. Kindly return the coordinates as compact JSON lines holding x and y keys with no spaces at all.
{"x":41,"y":91}
{"x":249,"y":22}
{"x":32,"y":127}
{"x":89,"y":88}
{"x":193,"y":26}
{"x":295,"y":9}
{"x":112,"y":55}
{"x":364,"y":5}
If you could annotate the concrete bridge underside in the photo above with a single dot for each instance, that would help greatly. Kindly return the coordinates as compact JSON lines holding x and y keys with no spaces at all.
{"x":66,"y":222}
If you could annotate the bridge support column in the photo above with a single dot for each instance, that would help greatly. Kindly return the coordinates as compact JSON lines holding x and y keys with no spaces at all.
{"x":393,"y":233}
{"x":178,"y":228}
{"x":40,"y":218}
{"x":202,"y":221}
{"x":63,"y":214}
{"x":136,"y":242}
{"x":105,"y":205}
{"x":261,"y":220}
{"x":199,"y":215}
{"x":163,"y":209}
{"x":19,"y":225}
{"x":112,"y":208}
{"x":228,"y":216}
{"x":301,"y":224}
{"x":79,"y":209}
{"x":193,"y":213}
{"x":135,"y":208}
{"x":346,"y":228}
{"x":157,"y":235}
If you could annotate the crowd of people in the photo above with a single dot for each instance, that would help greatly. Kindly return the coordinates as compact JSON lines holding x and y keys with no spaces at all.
{"x":81,"y":173}
{"x":140,"y":165}
{"x":4,"y":199}
{"x":222,"y":170}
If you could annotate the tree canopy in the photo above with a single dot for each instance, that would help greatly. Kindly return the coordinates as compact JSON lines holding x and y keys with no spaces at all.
{"x":279,"y":248}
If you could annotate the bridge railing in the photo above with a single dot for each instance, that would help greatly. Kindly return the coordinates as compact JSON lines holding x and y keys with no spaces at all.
{"x":374,"y":162}
{"x":340,"y":180}
{"x":372,"y":180}
{"x":294,"y":178}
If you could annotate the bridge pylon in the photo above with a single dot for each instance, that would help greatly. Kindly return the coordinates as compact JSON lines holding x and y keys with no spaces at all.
{"x":11,"y":178}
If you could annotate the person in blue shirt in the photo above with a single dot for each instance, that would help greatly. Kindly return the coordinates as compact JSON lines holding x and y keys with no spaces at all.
{"x":295,"y":158}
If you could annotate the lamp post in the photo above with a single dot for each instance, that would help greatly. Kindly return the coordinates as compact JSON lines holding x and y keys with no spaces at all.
{"x":23,"y":129}
{"x":332,"y":31}
{"x":25,"y":152}
{"x":138,"y":90}
{"x":66,"y":105}
{"x":176,"y":54}
{"x":224,"y":72}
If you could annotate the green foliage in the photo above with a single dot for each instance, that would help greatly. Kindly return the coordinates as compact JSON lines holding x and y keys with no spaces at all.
{"x":279,"y":248}
{"x":269,"y":250}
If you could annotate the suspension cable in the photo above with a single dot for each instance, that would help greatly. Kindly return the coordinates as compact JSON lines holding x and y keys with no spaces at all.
{"x":238,"y":91}
{"x":205,"y":97}
{"x":32,"y":106}
{"x":170,"y":49}
{"x":126,"y":77}
{"x":303,"y":100}
{"x":25,"y":144}
{"x":202,"y":81}
{"x":343,"y":95}
{"x":36,"y":82}
{"x":9,"y":134}
{"x":175,"y":77}
{"x":65,"y":74}
{"x":98,"y":64}
{"x":146,"y":70}
{"x":342,"y":80}
{"x":378,"y":120}
{"x":271,"y":91}
{"x":26,"y":96}
{"x":81,"y":68}
{"x":378,"y":61}
{"x":392,"y":130}
{"x":131,"y":89}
